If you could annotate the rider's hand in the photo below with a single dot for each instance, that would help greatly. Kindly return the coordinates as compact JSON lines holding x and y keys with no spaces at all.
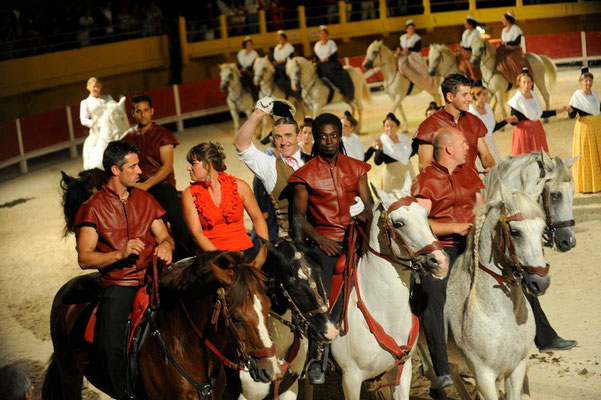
{"x":265,"y":104}
{"x":357,"y":208}
{"x":164,"y":252}
{"x":133,"y":246}
{"x":330,"y":247}
{"x":462,"y":228}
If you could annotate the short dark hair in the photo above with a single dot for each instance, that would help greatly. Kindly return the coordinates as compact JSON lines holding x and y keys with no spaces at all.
{"x":452,"y":82}
{"x":14,"y":384}
{"x":286,"y":121}
{"x":141,"y":98}
{"x":307,"y":122}
{"x":393,"y":118}
{"x":326,"y":119}
{"x":349,"y":117}
{"x":115,"y":154}
{"x":208,"y":153}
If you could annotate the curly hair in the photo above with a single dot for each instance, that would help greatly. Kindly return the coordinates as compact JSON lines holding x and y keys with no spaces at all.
{"x":209,"y":153}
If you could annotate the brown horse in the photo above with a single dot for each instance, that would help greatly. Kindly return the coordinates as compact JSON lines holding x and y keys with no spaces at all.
{"x":208,"y":303}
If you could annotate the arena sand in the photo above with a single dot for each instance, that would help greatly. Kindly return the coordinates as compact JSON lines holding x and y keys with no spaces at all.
{"x":36,"y":260}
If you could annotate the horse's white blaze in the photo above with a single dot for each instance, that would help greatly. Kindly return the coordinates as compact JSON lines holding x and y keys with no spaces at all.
{"x":262,"y":326}
{"x":331,"y":332}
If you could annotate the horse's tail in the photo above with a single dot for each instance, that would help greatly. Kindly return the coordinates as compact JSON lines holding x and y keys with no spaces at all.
{"x":550,"y":69}
{"x":51,"y":389}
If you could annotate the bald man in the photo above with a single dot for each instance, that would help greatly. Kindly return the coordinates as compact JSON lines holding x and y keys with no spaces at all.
{"x":449,"y":190}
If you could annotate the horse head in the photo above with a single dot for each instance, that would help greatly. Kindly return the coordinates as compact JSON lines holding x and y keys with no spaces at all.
{"x":478,"y":49}
{"x":434,"y":58}
{"x":557,"y":199}
{"x":373,"y":51}
{"x":407,"y":234}
{"x":260,"y":69}
{"x":294,"y":72}
{"x":228,"y":74}
{"x":238,"y":291}
{"x":77,"y":190}
{"x":515,"y":224}
{"x":297,"y":284}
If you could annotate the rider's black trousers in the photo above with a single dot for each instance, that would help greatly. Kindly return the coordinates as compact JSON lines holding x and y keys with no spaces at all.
{"x":544,"y":331}
{"x":427,"y":301}
{"x":168,"y":198}
{"x":113,"y":316}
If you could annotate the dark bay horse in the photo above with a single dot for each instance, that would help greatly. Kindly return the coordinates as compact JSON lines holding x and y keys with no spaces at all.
{"x":187,"y":322}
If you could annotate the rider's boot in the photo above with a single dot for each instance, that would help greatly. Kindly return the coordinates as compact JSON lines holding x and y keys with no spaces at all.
{"x":315,"y":369}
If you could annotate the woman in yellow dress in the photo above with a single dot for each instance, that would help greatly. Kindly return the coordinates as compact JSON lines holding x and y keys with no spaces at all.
{"x":587,"y":136}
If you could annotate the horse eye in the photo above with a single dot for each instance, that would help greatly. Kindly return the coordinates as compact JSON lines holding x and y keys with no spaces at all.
{"x":237,"y":318}
{"x":398,"y":224}
{"x":514,"y":233}
{"x":556,"y":196}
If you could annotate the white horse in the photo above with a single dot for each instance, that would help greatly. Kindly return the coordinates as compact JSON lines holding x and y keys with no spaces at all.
{"x":396,"y":85}
{"x":111,"y":125}
{"x":238,"y":98}
{"x":486,"y":313}
{"x":442,"y":61}
{"x":484,"y":54}
{"x":556,"y":196}
{"x":302,"y":73}
{"x":399,"y":227}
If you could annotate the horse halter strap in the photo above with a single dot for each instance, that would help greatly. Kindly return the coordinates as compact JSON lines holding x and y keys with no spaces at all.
{"x":391,"y":233}
{"x":506,"y":244}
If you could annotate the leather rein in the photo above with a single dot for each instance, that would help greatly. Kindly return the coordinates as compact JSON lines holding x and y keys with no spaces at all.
{"x":390,"y":234}
{"x":507,"y":249}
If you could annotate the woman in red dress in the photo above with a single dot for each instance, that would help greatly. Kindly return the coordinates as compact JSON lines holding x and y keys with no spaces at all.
{"x":528,"y":133}
{"x":215,"y":201}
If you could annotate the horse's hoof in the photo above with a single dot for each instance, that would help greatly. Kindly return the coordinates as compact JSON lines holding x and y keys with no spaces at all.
{"x":438,"y":394}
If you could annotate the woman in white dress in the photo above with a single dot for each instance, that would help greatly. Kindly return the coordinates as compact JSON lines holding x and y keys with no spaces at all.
{"x":90,"y":110}
{"x":411,"y":62}
{"x":282,"y":52}
{"x":393,"y":149}
{"x":480,"y":108}
{"x":511,"y":59}
{"x":246,"y":58}
{"x":587,"y":135}
{"x":464,"y":52}
{"x":352,"y":143}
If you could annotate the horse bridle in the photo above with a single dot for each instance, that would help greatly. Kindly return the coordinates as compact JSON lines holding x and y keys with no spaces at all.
{"x":323,"y":305}
{"x":551,"y":225}
{"x":390,"y":234}
{"x":396,"y":70}
{"x":507,"y":250}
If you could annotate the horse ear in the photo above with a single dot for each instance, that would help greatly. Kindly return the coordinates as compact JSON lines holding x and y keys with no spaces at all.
{"x":225,"y":276}
{"x":260,"y":258}
{"x":122,"y":100}
{"x":546,"y":160}
{"x":407,"y":184}
{"x":505,"y":193}
{"x":570,"y":161}
{"x":66,"y":178}
{"x":381,"y":195}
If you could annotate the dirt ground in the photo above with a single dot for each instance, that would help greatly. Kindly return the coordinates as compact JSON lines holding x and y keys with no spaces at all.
{"x":36,"y":260}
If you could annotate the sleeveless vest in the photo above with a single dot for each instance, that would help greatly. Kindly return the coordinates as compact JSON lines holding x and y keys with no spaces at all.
{"x":281,"y":205}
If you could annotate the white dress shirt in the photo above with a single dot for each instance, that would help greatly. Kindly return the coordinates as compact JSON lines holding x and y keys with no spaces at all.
{"x":325,"y":50}
{"x":281,"y":53}
{"x":353,"y":146}
{"x":91,"y":108}
{"x":263,"y":165}
{"x":247,"y":60}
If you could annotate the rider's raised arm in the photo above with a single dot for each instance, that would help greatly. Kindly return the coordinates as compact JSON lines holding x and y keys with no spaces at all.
{"x":244,"y":137}
{"x":252,"y":209}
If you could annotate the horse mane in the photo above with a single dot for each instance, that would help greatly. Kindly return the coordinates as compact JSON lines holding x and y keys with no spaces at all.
{"x":76,"y":191}
{"x":198,"y":273}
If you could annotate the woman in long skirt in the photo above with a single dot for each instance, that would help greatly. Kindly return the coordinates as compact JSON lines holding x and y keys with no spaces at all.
{"x":587,"y":136}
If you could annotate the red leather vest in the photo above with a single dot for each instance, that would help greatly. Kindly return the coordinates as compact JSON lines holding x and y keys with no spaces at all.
{"x":471,"y":126}
{"x":116,"y":223}
{"x":149,"y":144}
{"x":332,"y":191}
{"x":453,"y":196}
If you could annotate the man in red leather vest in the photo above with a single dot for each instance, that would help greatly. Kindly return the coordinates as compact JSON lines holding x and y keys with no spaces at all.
{"x":456,"y":92}
{"x":325,"y":192}
{"x":118,"y":231}
{"x":449,"y":190}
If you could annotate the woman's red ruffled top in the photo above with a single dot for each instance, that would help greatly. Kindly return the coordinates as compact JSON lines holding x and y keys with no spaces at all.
{"x":223,"y":225}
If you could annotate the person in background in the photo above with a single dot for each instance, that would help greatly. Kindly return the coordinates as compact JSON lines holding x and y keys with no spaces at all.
{"x":15,"y":385}
{"x":432,"y":108}
{"x":352,"y":143}
{"x":90,"y":110}
{"x":282,"y":52}
{"x":215,"y":202}
{"x":329,"y":67}
{"x":156,"y":146}
{"x":587,"y":135}
{"x":528,"y":132}
{"x":510,"y":59}
{"x":246,"y":58}
{"x":464,"y":52}
{"x":393,"y":149}
{"x":411,"y":62}
{"x":480,"y":108}
{"x":306,"y":143}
